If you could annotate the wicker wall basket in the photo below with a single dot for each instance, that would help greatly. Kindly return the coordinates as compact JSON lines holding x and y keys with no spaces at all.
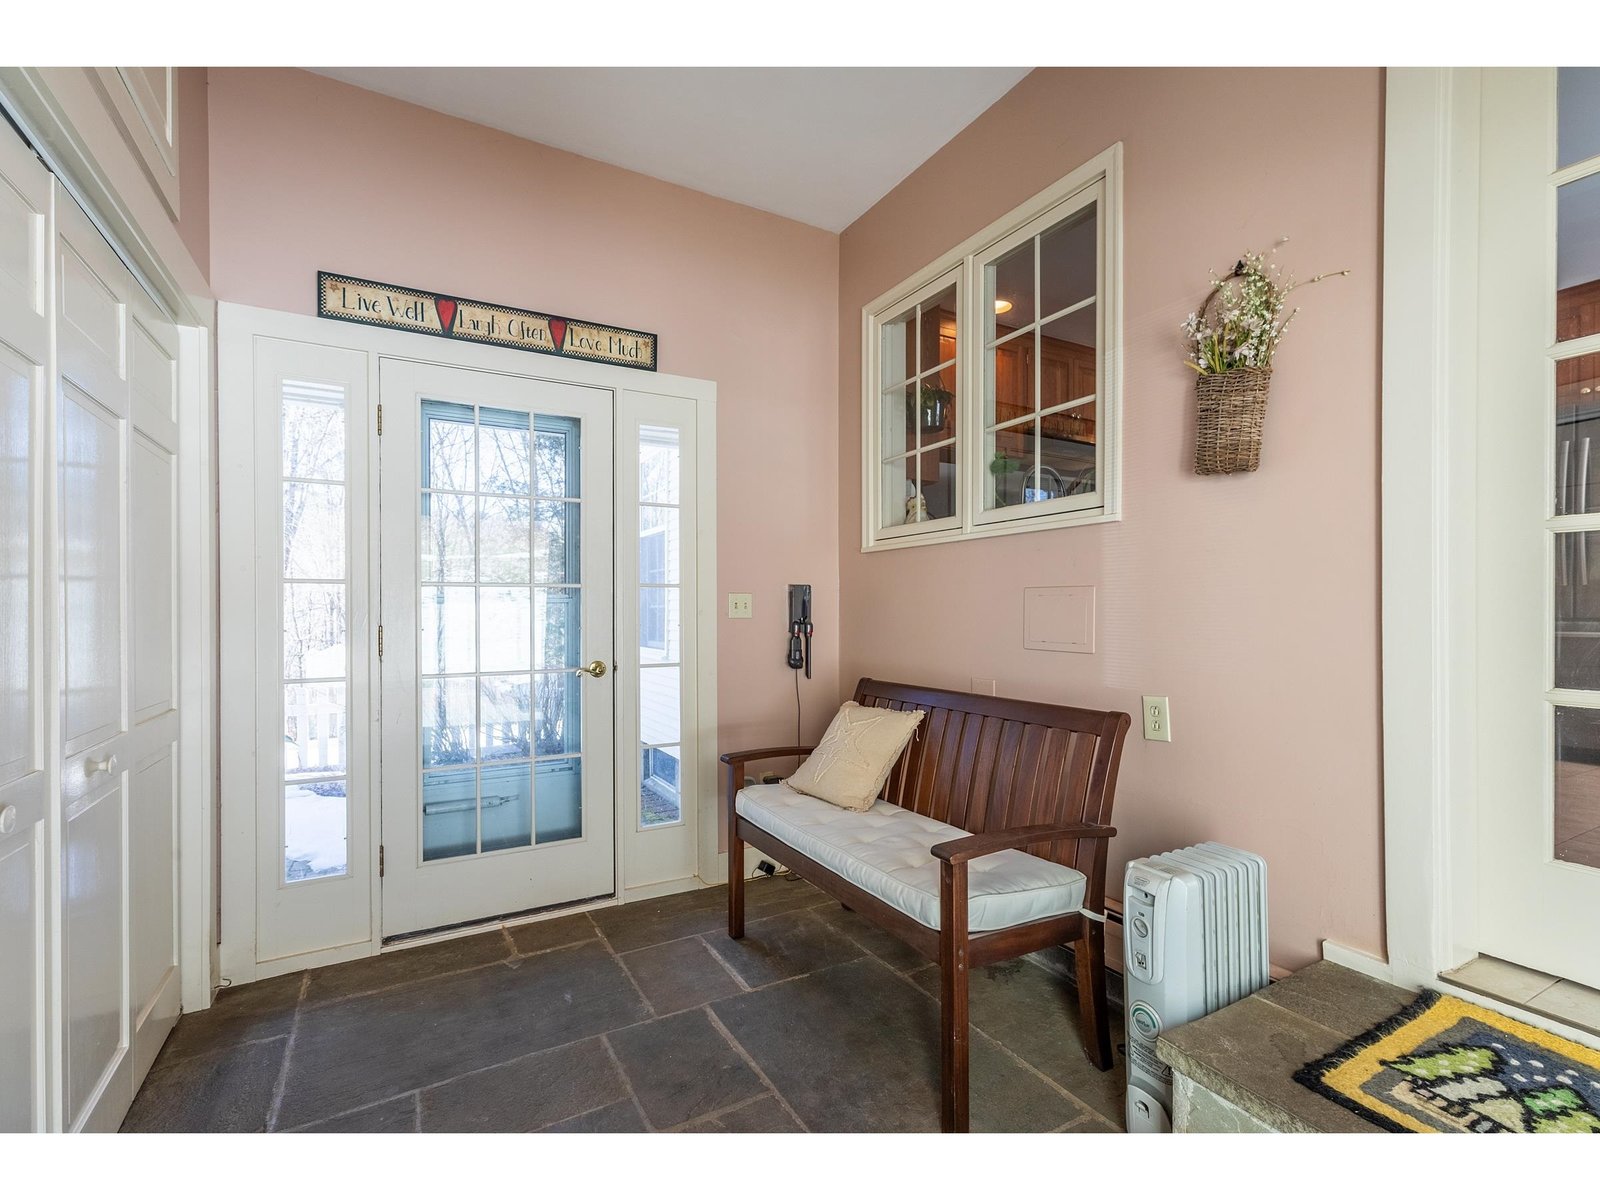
{"x":1231,"y":410}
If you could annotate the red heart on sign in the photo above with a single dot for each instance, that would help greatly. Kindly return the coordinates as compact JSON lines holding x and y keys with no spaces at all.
{"x":447,"y":311}
{"x":558,"y":332}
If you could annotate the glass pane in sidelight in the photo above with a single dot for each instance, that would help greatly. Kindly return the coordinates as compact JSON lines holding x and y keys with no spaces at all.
{"x":1578,"y":258}
{"x":313,"y":430}
{"x":897,"y":489}
{"x":1010,"y":463}
{"x":448,"y":434}
{"x":1067,"y":262}
{"x":504,"y":726}
{"x":446,"y":630}
{"x":447,"y":539}
{"x":313,"y":531}
{"x":557,"y":614}
{"x":555,"y":542}
{"x":316,"y":730}
{"x":937,"y":470}
{"x":505,"y":805}
{"x":1067,"y":358}
{"x":558,"y":799}
{"x":314,"y":631}
{"x":1576,"y":464}
{"x":936,"y":330}
{"x":504,"y":546}
{"x":659,"y":548}
{"x":555,"y":456}
{"x":506,"y":628}
{"x":660,"y":801}
{"x":660,"y":468}
{"x":659,"y":702}
{"x":1577,"y":806}
{"x":449,"y":814}
{"x":1577,"y":610}
{"x":316,"y":825}
{"x":1578,"y":120}
{"x":449,"y":721}
{"x":504,"y":457}
{"x":897,"y":349}
{"x":557,"y":716}
{"x":659,"y":638}
{"x":1008,"y":292}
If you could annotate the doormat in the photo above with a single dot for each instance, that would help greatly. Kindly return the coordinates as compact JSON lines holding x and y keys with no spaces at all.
{"x":1442,"y":1065}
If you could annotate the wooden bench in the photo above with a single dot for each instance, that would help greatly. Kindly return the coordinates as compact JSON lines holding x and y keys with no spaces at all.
{"x":1012,"y":774}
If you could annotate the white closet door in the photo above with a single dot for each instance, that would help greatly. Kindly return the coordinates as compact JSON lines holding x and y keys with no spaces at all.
{"x":24,"y":763}
{"x":92,"y":410}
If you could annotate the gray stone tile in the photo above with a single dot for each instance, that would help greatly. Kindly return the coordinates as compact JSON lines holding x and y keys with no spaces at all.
{"x":681,"y":1067}
{"x":1346,"y":1001}
{"x":538,"y":936}
{"x":781,"y":947}
{"x":621,"y":1117}
{"x":870,"y":938}
{"x":1504,"y":980}
{"x":226,"y":1090}
{"x":651,"y":922}
{"x":405,"y":966}
{"x":678,"y":975}
{"x":1571,"y":1002}
{"x":248,"y":1013}
{"x":371,"y":1047}
{"x":763,"y":1115}
{"x":1034,"y":1014}
{"x":392,"y":1116}
{"x":855,"y":1048}
{"x":1248,"y":1053}
{"x":524,"y":1095}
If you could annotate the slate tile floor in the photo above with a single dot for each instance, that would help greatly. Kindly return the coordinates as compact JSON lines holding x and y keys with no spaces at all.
{"x":644,"y":1017}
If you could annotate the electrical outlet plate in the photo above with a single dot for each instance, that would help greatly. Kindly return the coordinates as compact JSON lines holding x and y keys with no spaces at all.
{"x":1157,"y":719}
{"x":741,"y":605}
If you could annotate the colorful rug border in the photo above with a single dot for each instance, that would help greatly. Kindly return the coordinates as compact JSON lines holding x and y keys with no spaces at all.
{"x":1312,"y":1074}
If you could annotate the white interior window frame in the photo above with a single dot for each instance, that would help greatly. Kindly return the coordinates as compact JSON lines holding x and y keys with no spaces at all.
{"x":1097,"y":181}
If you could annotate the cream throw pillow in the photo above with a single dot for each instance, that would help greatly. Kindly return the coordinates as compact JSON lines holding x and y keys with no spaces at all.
{"x":855,"y":756}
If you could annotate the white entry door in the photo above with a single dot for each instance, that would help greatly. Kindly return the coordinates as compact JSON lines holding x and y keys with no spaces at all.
{"x":496,"y":616}
{"x":1538,"y":520}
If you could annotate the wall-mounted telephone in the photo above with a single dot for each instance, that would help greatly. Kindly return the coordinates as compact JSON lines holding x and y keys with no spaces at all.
{"x":800,"y":627}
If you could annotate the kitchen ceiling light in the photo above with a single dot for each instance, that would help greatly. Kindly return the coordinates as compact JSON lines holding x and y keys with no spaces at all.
{"x":1002,"y":306}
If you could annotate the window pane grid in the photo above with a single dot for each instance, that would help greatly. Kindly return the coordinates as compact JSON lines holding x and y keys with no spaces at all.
{"x":314,"y":694}
{"x":659,"y":633}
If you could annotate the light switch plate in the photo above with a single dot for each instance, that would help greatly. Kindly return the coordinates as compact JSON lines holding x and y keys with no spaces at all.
{"x":1157,"y":719}
{"x":740,"y":604}
{"x":1058,"y":618}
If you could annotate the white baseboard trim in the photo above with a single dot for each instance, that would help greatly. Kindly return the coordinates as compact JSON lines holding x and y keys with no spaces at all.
{"x":1356,"y":960}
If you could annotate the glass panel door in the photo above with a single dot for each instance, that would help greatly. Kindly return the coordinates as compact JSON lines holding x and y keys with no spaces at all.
{"x":497,"y":751}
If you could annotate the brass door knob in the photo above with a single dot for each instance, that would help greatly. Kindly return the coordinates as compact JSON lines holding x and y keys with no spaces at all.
{"x":597,"y":669}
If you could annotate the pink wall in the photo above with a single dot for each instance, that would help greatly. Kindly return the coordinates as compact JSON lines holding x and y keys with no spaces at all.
{"x":1252,"y":602}
{"x":307,"y":173}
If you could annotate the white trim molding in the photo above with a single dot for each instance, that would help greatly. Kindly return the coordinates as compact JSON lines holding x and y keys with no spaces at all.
{"x":1429,"y":449}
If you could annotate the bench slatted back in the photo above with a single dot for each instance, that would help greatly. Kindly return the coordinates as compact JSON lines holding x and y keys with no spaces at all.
{"x":985,"y":763}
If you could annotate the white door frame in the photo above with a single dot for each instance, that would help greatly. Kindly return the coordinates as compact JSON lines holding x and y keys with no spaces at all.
{"x":238,"y":327}
{"x":1429,"y":452}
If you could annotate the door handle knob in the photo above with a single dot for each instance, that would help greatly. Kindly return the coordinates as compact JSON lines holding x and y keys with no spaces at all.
{"x":596,"y":669}
{"x":8,"y":819}
{"x":108,"y":764}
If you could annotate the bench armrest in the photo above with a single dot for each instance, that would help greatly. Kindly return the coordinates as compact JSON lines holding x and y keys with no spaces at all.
{"x":737,"y":758}
{"x":976,"y":845}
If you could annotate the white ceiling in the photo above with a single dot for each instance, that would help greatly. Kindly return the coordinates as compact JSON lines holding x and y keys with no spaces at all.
{"x":817,"y":144}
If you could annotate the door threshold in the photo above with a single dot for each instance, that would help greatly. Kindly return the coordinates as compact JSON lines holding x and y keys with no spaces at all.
{"x":1543,"y":995}
{"x":441,"y":933}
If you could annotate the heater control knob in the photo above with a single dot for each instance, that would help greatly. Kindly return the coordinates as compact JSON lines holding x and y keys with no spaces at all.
{"x":1140,"y":927}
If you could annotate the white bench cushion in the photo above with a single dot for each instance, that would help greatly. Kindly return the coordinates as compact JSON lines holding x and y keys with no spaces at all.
{"x":885,"y":851}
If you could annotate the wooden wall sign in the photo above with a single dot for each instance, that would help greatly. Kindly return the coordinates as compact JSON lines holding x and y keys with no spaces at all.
{"x":343,"y":298}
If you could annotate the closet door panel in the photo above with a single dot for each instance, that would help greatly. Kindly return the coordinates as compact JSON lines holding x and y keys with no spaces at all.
{"x":25,"y":922}
{"x":92,"y":495}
